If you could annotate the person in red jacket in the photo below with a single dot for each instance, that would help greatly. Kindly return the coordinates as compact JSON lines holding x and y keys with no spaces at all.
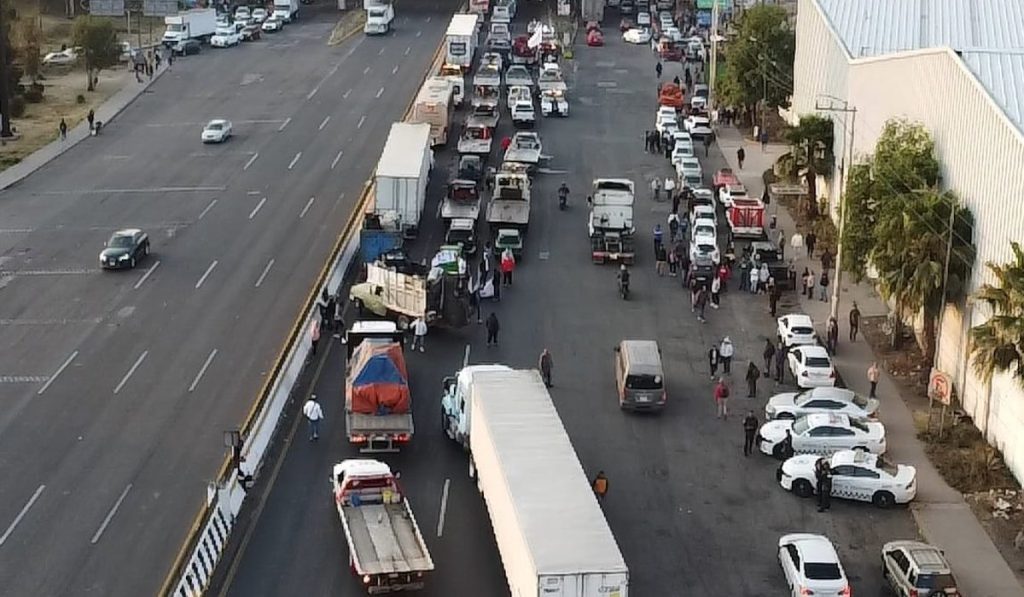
{"x":722,"y":398}
{"x":508,"y":263}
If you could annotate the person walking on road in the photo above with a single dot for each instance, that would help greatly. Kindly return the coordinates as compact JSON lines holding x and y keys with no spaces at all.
{"x":713,"y":360}
{"x":600,"y":485}
{"x":726,"y":350}
{"x":493,"y":327}
{"x":809,"y":284}
{"x":774,"y":294}
{"x":832,"y":335}
{"x":91,"y":117}
{"x":707,"y":145}
{"x":656,"y":188}
{"x":753,"y":373}
{"x":769,"y":356}
{"x":823,"y":285}
{"x":722,"y":399}
{"x":419,"y":334}
{"x":314,"y":335}
{"x":809,"y":241}
{"x":545,"y":363}
{"x":740,"y":156}
{"x":658,"y":69}
{"x":854,"y":321}
{"x":508,"y":264}
{"x":873,"y":374}
{"x":780,"y":362}
{"x":824,"y":485}
{"x":750,"y":423}
{"x":314,"y":414}
{"x":716,"y":290}
{"x":660,"y":259}
{"x":701,"y":303}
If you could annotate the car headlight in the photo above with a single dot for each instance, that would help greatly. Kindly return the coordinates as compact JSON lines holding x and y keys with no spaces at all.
{"x":123,"y":257}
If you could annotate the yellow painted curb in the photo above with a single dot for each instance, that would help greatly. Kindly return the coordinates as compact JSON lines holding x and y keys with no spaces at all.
{"x":349,"y":25}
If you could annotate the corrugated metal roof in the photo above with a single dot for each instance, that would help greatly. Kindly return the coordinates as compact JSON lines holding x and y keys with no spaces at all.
{"x":988,"y":34}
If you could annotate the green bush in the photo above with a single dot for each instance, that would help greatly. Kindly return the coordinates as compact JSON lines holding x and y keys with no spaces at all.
{"x":80,"y":99}
{"x":17,"y":105}
{"x":34,"y":94}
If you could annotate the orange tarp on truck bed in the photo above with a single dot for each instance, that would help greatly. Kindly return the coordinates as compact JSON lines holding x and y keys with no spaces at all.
{"x":377,"y":381}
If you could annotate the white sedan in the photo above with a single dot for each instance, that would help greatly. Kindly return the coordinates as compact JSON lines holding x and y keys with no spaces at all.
{"x":680,"y":151}
{"x":666,"y":122}
{"x":66,"y":56}
{"x":811,"y":566}
{"x":855,"y":476}
{"x":689,"y":170}
{"x":217,"y":131}
{"x":272,"y":24}
{"x":790,"y":405}
{"x":811,"y":366}
{"x":259,"y":15}
{"x":704,"y":246}
{"x":637,"y":36}
{"x":703,"y":214}
{"x":820,"y":433}
{"x":796,"y":330}
{"x":225,"y":37}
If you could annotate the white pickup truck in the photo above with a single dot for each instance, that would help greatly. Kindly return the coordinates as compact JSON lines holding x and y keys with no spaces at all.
{"x":386,"y":549}
{"x":551,"y":79}
{"x":476,"y":138}
{"x":523,"y":116}
{"x":525,"y":148}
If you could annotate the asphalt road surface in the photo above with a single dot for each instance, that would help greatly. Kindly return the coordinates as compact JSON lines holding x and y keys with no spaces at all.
{"x":692,"y":516}
{"x":117,"y":386}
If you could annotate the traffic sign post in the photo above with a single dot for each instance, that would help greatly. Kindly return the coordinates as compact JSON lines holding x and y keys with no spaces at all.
{"x":940,"y":388}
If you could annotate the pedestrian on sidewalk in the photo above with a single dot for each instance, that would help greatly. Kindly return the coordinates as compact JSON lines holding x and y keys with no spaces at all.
{"x":508,"y":264}
{"x":493,"y":327}
{"x":660,"y":259}
{"x":419,"y":334}
{"x":810,"y":239}
{"x":63,"y":129}
{"x":544,"y":364}
{"x":809,"y":285}
{"x":753,"y":373}
{"x":740,"y":156}
{"x":673,"y":227}
{"x":873,"y":374}
{"x":826,"y":260}
{"x":657,"y":69}
{"x":339,"y":313}
{"x":702,"y":303}
{"x":823,"y":284}
{"x":832,"y":335}
{"x":773,"y":300}
{"x":726,"y":350}
{"x":722,"y":399}
{"x":780,"y":362}
{"x":753,"y":277}
{"x":170,"y":59}
{"x":91,"y":117}
{"x":854,"y":321}
{"x":716,"y":289}
{"x":656,"y":188}
{"x":157,"y":59}
{"x":670,"y":184}
{"x":600,"y":485}
{"x":713,"y":359}
{"x":763,"y":138}
{"x":673,"y":262}
{"x":314,"y":334}
{"x":314,"y":414}
{"x":769,"y":356}
{"x":750,"y":424}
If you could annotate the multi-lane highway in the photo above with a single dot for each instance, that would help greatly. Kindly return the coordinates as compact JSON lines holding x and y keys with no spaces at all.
{"x":691,"y":514}
{"x":117,"y":386}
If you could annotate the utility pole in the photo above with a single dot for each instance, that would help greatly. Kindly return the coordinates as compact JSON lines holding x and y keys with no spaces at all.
{"x":5,"y":104}
{"x":844,"y":190}
{"x":945,"y":281}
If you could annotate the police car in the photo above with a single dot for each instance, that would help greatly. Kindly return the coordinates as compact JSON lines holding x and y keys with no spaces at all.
{"x":856,"y":475}
{"x":790,"y":405}
{"x":821,"y":433}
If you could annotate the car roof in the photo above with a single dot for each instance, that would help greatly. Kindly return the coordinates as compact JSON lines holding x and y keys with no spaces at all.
{"x":128,"y":232}
{"x":857,"y":457}
{"x":798,"y":319}
{"x":813,"y":350}
{"x":828,"y":419}
{"x":217,"y":121}
{"x":928,"y":558}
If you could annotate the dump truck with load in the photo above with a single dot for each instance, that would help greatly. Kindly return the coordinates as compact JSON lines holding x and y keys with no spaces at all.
{"x":378,"y":416}
{"x":406,"y":293}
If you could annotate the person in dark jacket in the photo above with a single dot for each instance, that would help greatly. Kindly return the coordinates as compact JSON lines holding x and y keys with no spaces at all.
{"x":713,"y":359}
{"x":749,"y":431}
{"x":824,"y":485}
{"x":493,"y":327}
{"x":753,"y":373}
{"x":780,"y":362}
{"x":769,"y":356}
{"x":786,"y":446}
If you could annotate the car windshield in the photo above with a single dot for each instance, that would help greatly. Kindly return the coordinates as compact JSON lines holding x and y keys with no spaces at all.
{"x":859,"y":425}
{"x":643,"y":382}
{"x":459,"y":235}
{"x":800,"y":426}
{"x":706,"y":248}
{"x":822,"y":571}
{"x":120,"y":242}
{"x":818,"y":362}
{"x":886,"y":466}
{"x":799,"y":329}
{"x":214,"y":126}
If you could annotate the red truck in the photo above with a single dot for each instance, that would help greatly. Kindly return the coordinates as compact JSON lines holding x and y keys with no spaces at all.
{"x":746,"y":217}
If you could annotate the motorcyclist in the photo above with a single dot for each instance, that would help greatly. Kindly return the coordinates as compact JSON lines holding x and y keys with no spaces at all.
{"x":563,"y":194}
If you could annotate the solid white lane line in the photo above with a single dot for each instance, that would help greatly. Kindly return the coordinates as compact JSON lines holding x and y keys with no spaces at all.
{"x":366,"y":70}
{"x":146,"y":190}
{"x":337,"y":158}
{"x":24,"y":511}
{"x":394,"y":70}
{"x":251,"y":160}
{"x":199,"y":376}
{"x":362,"y":119}
{"x":207,"y":273}
{"x":380,"y":92}
{"x":256,"y":210}
{"x":310,"y":95}
{"x":444,"y":507}
{"x":207,"y":209}
{"x":146,"y":275}
{"x":285,"y":123}
{"x":324,"y":123}
{"x":309,"y":204}
{"x":294,"y":159}
{"x":127,"y":376}
{"x":346,"y":94}
{"x":110,"y":515}
{"x":266,"y":270}
{"x":56,"y":374}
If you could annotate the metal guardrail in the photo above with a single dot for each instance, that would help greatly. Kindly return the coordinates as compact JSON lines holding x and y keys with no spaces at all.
{"x":194,"y":565}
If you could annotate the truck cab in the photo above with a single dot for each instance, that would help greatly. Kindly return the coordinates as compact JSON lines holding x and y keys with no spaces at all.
{"x":610,"y":220}
{"x":453,"y":73}
{"x":456,"y":403}
{"x":379,"y":16}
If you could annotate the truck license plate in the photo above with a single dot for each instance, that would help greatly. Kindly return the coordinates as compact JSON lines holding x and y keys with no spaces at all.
{"x":643,"y":398}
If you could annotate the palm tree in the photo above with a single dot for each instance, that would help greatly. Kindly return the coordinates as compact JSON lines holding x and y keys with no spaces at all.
{"x":998,"y":344}
{"x":810,"y":153}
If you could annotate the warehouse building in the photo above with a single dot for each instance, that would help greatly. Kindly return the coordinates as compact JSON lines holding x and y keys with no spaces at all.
{"x":957,"y":67}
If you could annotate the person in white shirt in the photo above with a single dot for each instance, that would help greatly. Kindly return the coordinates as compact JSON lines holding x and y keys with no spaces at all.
{"x":725,"y":351}
{"x":314,"y":414}
{"x":419,"y":334}
{"x":670,"y":187}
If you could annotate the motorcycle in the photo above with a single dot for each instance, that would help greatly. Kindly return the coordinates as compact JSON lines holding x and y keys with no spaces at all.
{"x":624,"y":289}
{"x":562,"y":201}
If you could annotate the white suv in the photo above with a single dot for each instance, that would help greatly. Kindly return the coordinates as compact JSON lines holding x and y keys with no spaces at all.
{"x":915,"y":568}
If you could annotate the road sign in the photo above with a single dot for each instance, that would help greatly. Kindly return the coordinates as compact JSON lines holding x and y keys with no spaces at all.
{"x":940,"y":387}
{"x":106,"y":8}
{"x":159,"y":8}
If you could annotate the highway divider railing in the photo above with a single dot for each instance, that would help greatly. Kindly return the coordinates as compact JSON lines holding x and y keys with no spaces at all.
{"x":200,"y":553}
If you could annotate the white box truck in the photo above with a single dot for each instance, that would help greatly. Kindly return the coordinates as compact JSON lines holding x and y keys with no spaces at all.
{"x":460,"y":40}
{"x":198,"y":23}
{"x":380,"y":14}
{"x":400,"y":182}
{"x":551,"y":533}
{"x":286,"y":10}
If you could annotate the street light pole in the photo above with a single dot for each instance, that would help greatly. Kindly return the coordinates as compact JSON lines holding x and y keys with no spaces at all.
{"x":844,"y":190}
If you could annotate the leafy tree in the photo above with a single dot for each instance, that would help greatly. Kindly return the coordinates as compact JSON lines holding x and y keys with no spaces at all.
{"x":859,"y":231}
{"x":98,"y":41}
{"x":763,"y":49}
{"x":810,"y":152}
{"x":910,"y":244}
{"x":28,"y":50}
{"x":998,"y":344}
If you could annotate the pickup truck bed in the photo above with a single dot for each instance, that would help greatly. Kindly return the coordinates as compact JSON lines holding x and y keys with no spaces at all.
{"x":385,"y":538}
{"x":512,"y":212}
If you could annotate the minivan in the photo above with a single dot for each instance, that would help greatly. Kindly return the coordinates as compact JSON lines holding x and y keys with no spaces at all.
{"x":639,"y":375}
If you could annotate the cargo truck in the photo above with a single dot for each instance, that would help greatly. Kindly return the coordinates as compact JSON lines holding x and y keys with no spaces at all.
{"x":400,"y":181}
{"x":386,"y":550}
{"x":435,"y":106}
{"x":198,"y":23}
{"x":551,"y":533}
{"x":377,"y":413}
{"x":379,"y":16}
{"x":610,"y":222}
{"x":286,"y":10}
{"x":437,"y":294}
{"x":460,"y":40}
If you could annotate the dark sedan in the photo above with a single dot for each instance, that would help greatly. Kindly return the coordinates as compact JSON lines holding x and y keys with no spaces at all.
{"x":125,"y":249}
{"x":187,"y":47}
{"x":251,"y":33}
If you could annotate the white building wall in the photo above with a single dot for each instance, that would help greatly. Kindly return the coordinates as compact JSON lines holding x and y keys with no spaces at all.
{"x":982,"y":157}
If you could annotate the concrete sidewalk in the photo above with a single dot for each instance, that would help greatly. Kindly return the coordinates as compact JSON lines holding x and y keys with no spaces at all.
{"x":105,"y":113}
{"x":942,"y":515}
